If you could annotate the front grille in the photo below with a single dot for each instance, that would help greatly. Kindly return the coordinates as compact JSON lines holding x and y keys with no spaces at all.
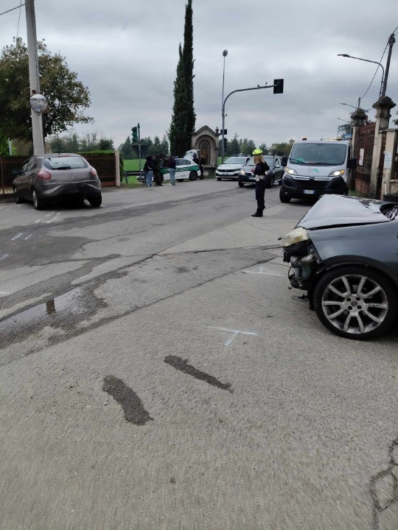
{"x":311,"y":184}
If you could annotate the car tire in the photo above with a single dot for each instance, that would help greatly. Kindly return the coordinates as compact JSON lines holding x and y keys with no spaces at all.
{"x":180,"y":180}
{"x":193,"y":175}
{"x":17,"y":198}
{"x":95,"y":202}
{"x":284,"y":196}
{"x":218,"y":178}
{"x":241,"y":184}
{"x":38,"y":202}
{"x":344,"y":302}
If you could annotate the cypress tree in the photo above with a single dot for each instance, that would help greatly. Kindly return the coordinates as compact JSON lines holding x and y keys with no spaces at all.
{"x":183,"y":118}
{"x":188,"y":65}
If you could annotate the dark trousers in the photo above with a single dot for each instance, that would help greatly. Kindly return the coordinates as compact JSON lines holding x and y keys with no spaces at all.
{"x":260,"y":191}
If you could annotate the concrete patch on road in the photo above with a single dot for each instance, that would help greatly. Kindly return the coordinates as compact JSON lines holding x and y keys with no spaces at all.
{"x":109,"y":266}
{"x":24,"y":277}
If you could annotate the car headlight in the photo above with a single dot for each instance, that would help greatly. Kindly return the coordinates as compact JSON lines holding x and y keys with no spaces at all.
{"x":338,"y":173}
{"x":290,"y":171}
{"x":295,"y":236}
{"x":242,"y":172}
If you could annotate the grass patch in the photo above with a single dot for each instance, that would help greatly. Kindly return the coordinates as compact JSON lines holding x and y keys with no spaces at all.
{"x":133,"y":165}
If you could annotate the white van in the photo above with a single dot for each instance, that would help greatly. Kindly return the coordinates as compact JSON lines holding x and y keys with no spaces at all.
{"x":316,"y":167}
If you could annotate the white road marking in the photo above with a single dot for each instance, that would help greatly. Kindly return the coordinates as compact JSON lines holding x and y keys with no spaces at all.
{"x":235,"y":333}
{"x":3,"y":293}
{"x":4,"y":256}
{"x":17,"y":236}
{"x":39,"y":220}
{"x":28,"y":237}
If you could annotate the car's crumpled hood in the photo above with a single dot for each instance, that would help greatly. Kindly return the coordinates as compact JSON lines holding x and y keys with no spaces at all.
{"x":338,"y":210}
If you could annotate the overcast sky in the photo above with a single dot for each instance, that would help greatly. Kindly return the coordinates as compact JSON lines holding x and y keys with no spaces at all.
{"x":126,"y":52}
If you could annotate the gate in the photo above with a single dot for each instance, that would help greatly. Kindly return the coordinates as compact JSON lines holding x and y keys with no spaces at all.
{"x":364,"y":154}
{"x":8,"y":165}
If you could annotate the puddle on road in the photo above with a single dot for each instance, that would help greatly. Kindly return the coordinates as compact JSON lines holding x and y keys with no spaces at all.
{"x":69,"y":300}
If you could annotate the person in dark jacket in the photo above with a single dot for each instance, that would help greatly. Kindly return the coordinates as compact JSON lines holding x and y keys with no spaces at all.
{"x":171,"y":166}
{"x":157,"y":174}
{"x":260,"y":169}
{"x":148,"y":171}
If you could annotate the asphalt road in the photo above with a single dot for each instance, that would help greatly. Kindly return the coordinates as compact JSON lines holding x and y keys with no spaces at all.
{"x":156,"y":374}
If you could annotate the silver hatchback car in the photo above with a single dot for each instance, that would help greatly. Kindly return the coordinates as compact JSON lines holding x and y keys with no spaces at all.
{"x":53,"y":177}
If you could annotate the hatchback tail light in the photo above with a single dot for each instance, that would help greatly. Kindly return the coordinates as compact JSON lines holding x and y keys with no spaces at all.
{"x":93,"y":172}
{"x":44,"y":175}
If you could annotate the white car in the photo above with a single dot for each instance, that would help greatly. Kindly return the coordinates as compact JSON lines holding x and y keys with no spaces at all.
{"x":185,"y":169}
{"x":231,"y":167}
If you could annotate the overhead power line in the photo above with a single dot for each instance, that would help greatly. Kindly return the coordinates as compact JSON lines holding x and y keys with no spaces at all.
{"x":367,"y":90}
{"x":14,"y":8}
{"x":19,"y":17}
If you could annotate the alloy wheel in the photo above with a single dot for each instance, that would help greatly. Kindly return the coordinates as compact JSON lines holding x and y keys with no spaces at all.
{"x":355,"y":304}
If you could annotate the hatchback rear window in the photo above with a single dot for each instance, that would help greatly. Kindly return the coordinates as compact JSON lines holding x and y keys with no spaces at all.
{"x":65,"y":162}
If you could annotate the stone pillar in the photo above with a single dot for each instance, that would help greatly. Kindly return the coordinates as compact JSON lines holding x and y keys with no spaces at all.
{"x":358,"y":118}
{"x":383,"y":107}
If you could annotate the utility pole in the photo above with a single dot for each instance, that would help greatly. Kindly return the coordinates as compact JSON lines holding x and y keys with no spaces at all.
{"x":139,"y":146}
{"x":34,"y":79}
{"x":391,"y":42}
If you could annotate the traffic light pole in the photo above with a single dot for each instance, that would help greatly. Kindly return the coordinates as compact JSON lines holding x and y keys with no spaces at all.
{"x":139,"y":146}
{"x":258,"y":87}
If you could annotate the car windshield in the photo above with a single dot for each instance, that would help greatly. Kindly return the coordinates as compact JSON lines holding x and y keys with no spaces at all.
{"x":65,"y":162}
{"x":235,"y":160}
{"x":321,"y":154}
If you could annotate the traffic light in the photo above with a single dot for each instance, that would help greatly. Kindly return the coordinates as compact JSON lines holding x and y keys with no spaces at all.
{"x":225,"y":144}
{"x":278,"y":86}
{"x":135,"y":135}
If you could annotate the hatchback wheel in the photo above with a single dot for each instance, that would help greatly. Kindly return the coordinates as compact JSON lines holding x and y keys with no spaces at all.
{"x":95,"y":202}
{"x":241,"y":184}
{"x":17,"y":199}
{"x":38,"y":202}
{"x":193,"y":175}
{"x":356,"y":302}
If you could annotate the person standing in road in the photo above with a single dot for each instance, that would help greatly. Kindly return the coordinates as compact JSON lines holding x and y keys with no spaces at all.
{"x":260,"y":168}
{"x":171,"y":166}
{"x":158,"y":177}
{"x":148,"y":171}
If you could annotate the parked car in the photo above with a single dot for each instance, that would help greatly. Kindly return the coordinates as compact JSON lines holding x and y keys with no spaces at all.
{"x":52,"y":177}
{"x":344,"y":253}
{"x":231,"y":167}
{"x":275,"y":172}
{"x":185,"y":169}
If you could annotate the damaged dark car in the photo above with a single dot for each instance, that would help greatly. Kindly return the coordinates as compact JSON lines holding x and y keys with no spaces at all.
{"x":344,"y":254}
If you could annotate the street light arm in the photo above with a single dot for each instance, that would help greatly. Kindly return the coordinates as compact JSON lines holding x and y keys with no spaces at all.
{"x":366,"y":61}
{"x":258,"y":87}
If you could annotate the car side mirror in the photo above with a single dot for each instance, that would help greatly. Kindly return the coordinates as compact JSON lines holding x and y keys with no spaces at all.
{"x":352,"y":163}
{"x":284,"y":161}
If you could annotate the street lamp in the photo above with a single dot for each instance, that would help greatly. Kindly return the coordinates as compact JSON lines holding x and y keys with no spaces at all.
{"x":382,"y":86}
{"x":224,"y":53}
